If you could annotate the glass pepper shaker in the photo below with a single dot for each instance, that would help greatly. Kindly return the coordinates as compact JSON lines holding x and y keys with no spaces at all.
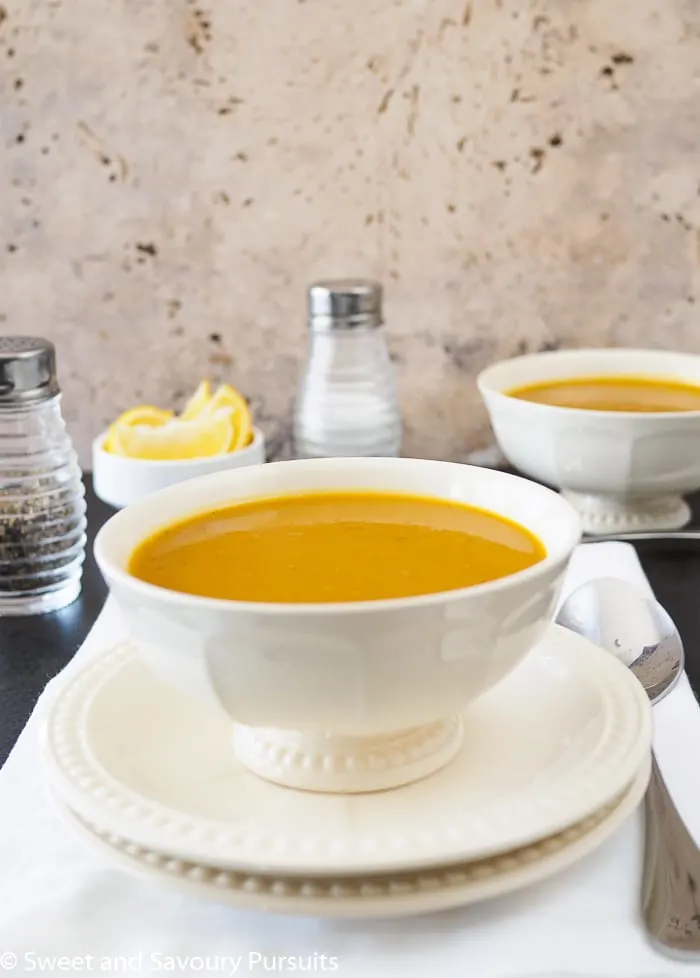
{"x":42,"y":505}
{"x":347,"y":403}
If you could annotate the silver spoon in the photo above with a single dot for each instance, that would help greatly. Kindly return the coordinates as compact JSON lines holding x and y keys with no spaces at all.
{"x":618,"y":616}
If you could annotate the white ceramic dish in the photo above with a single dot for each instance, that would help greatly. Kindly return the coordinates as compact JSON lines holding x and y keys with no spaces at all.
{"x":621,"y":471}
{"x":371,"y":896}
{"x":554,"y":742}
{"x":121,"y":481}
{"x":343,"y":697}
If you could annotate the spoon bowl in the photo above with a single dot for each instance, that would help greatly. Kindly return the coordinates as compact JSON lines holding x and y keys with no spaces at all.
{"x":620,"y":618}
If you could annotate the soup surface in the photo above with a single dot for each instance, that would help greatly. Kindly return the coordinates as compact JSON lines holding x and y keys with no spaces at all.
{"x":614,"y":394}
{"x":334,"y":546}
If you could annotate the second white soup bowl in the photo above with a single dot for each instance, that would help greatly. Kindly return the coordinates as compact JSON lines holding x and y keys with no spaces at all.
{"x":347,"y":696}
{"x":622,"y":471}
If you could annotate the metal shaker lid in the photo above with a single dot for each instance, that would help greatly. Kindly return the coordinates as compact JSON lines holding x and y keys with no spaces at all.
{"x":27,"y":370}
{"x":345,"y":304}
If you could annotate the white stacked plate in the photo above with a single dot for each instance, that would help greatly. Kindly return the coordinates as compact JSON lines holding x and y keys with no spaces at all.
{"x":553,"y":760}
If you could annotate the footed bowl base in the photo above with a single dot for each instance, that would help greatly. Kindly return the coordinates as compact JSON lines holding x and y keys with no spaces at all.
{"x":339,"y":764}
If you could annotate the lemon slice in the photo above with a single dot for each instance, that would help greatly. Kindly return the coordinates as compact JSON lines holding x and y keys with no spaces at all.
{"x":146,"y":415}
{"x":197,"y":403}
{"x":228,"y":397}
{"x":177,"y":440}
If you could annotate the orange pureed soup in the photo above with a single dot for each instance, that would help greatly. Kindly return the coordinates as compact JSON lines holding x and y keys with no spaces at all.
{"x":334,"y":546}
{"x":638,"y":394}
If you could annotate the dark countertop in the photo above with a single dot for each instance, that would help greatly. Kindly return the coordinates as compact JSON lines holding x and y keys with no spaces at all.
{"x":33,"y":650}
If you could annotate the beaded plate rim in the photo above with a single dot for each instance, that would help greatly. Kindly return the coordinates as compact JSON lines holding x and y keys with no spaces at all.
{"x":389,"y":895}
{"x":95,"y":795}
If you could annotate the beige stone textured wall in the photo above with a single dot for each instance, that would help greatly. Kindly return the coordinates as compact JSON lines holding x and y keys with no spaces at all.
{"x":519,"y":174}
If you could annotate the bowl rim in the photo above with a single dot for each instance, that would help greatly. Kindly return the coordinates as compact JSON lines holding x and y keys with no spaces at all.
{"x":99,"y":452}
{"x":486,"y":388}
{"x":560,"y":553}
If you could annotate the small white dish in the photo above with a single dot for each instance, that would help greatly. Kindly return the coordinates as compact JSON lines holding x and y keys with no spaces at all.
{"x":120,"y":481}
{"x":557,"y":740}
{"x":394,"y":895}
{"x":621,"y":471}
{"x":347,"y":697}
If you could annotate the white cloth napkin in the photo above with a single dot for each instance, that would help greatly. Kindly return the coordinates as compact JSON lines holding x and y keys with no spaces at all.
{"x":58,"y":898}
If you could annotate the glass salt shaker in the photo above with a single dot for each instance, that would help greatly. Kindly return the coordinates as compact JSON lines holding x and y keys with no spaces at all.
{"x":347,"y":403}
{"x":42,"y":505}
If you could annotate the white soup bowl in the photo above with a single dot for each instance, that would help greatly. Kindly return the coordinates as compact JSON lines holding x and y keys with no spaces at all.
{"x":345,"y":696}
{"x":622,"y":471}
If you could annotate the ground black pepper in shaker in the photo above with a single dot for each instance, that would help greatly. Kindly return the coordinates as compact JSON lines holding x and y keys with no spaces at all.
{"x":42,"y":505}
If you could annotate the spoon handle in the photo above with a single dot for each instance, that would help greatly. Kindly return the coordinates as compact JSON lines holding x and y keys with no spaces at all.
{"x":671,"y":883}
{"x":682,"y":536}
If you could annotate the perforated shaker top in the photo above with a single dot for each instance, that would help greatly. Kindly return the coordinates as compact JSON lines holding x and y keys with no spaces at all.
{"x":27,"y":370}
{"x":342,"y":304}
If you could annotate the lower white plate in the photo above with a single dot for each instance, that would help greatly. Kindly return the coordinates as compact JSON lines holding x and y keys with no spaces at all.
{"x":556,"y":741}
{"x":392,"y":895}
